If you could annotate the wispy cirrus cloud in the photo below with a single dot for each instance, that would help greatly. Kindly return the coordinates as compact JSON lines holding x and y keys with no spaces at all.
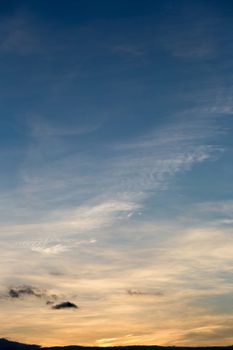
{"x":133,"y":167}
{"x":113,"y":189}
{"x":74,"y":221}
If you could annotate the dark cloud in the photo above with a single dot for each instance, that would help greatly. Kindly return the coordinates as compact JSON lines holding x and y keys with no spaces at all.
{"x":137,"y":292}
{"x":57,"y":273}
{"x":21,"y":291}
{"x":65,"y":305}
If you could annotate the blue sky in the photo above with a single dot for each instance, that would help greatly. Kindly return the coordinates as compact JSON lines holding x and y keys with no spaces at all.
{"x":116,"y":171}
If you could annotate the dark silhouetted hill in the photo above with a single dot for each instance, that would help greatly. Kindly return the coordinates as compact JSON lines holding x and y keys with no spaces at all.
{"x":10,"y":345}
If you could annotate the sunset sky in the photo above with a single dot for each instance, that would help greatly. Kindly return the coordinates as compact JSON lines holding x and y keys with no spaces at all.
{"x":116,"y":173}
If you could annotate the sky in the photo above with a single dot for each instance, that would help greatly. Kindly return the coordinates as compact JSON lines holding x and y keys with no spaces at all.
{"x":116,"y":151}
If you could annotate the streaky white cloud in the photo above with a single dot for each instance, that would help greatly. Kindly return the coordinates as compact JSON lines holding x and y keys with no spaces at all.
{"x":97,"y":193}
{"x":74,"y":221}
{"x":54,"y":249}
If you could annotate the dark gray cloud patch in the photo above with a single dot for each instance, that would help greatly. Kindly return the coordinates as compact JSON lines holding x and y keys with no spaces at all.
{"x":50,"y":299}
{"x":21,"y":291}
{"x":14,"y":293}
{"x":65,"y":305}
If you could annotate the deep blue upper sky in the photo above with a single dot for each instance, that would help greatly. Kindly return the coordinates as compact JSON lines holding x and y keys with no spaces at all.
{"x":130,"y":66}
{"x":118,"y":68}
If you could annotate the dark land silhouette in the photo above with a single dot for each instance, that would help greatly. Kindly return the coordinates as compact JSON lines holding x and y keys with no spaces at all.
{"x":10,"y":345}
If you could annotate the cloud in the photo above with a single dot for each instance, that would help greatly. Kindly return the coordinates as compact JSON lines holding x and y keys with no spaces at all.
{"x":88,"y":217}
{"x":136,"y":166}
{"x":21,"y":291}
{"x":215,"y":334}
{"x":65,"y":305}
{"x":104,"y":191}
{"x":50,"y":250}
{"x":137,"y":292}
